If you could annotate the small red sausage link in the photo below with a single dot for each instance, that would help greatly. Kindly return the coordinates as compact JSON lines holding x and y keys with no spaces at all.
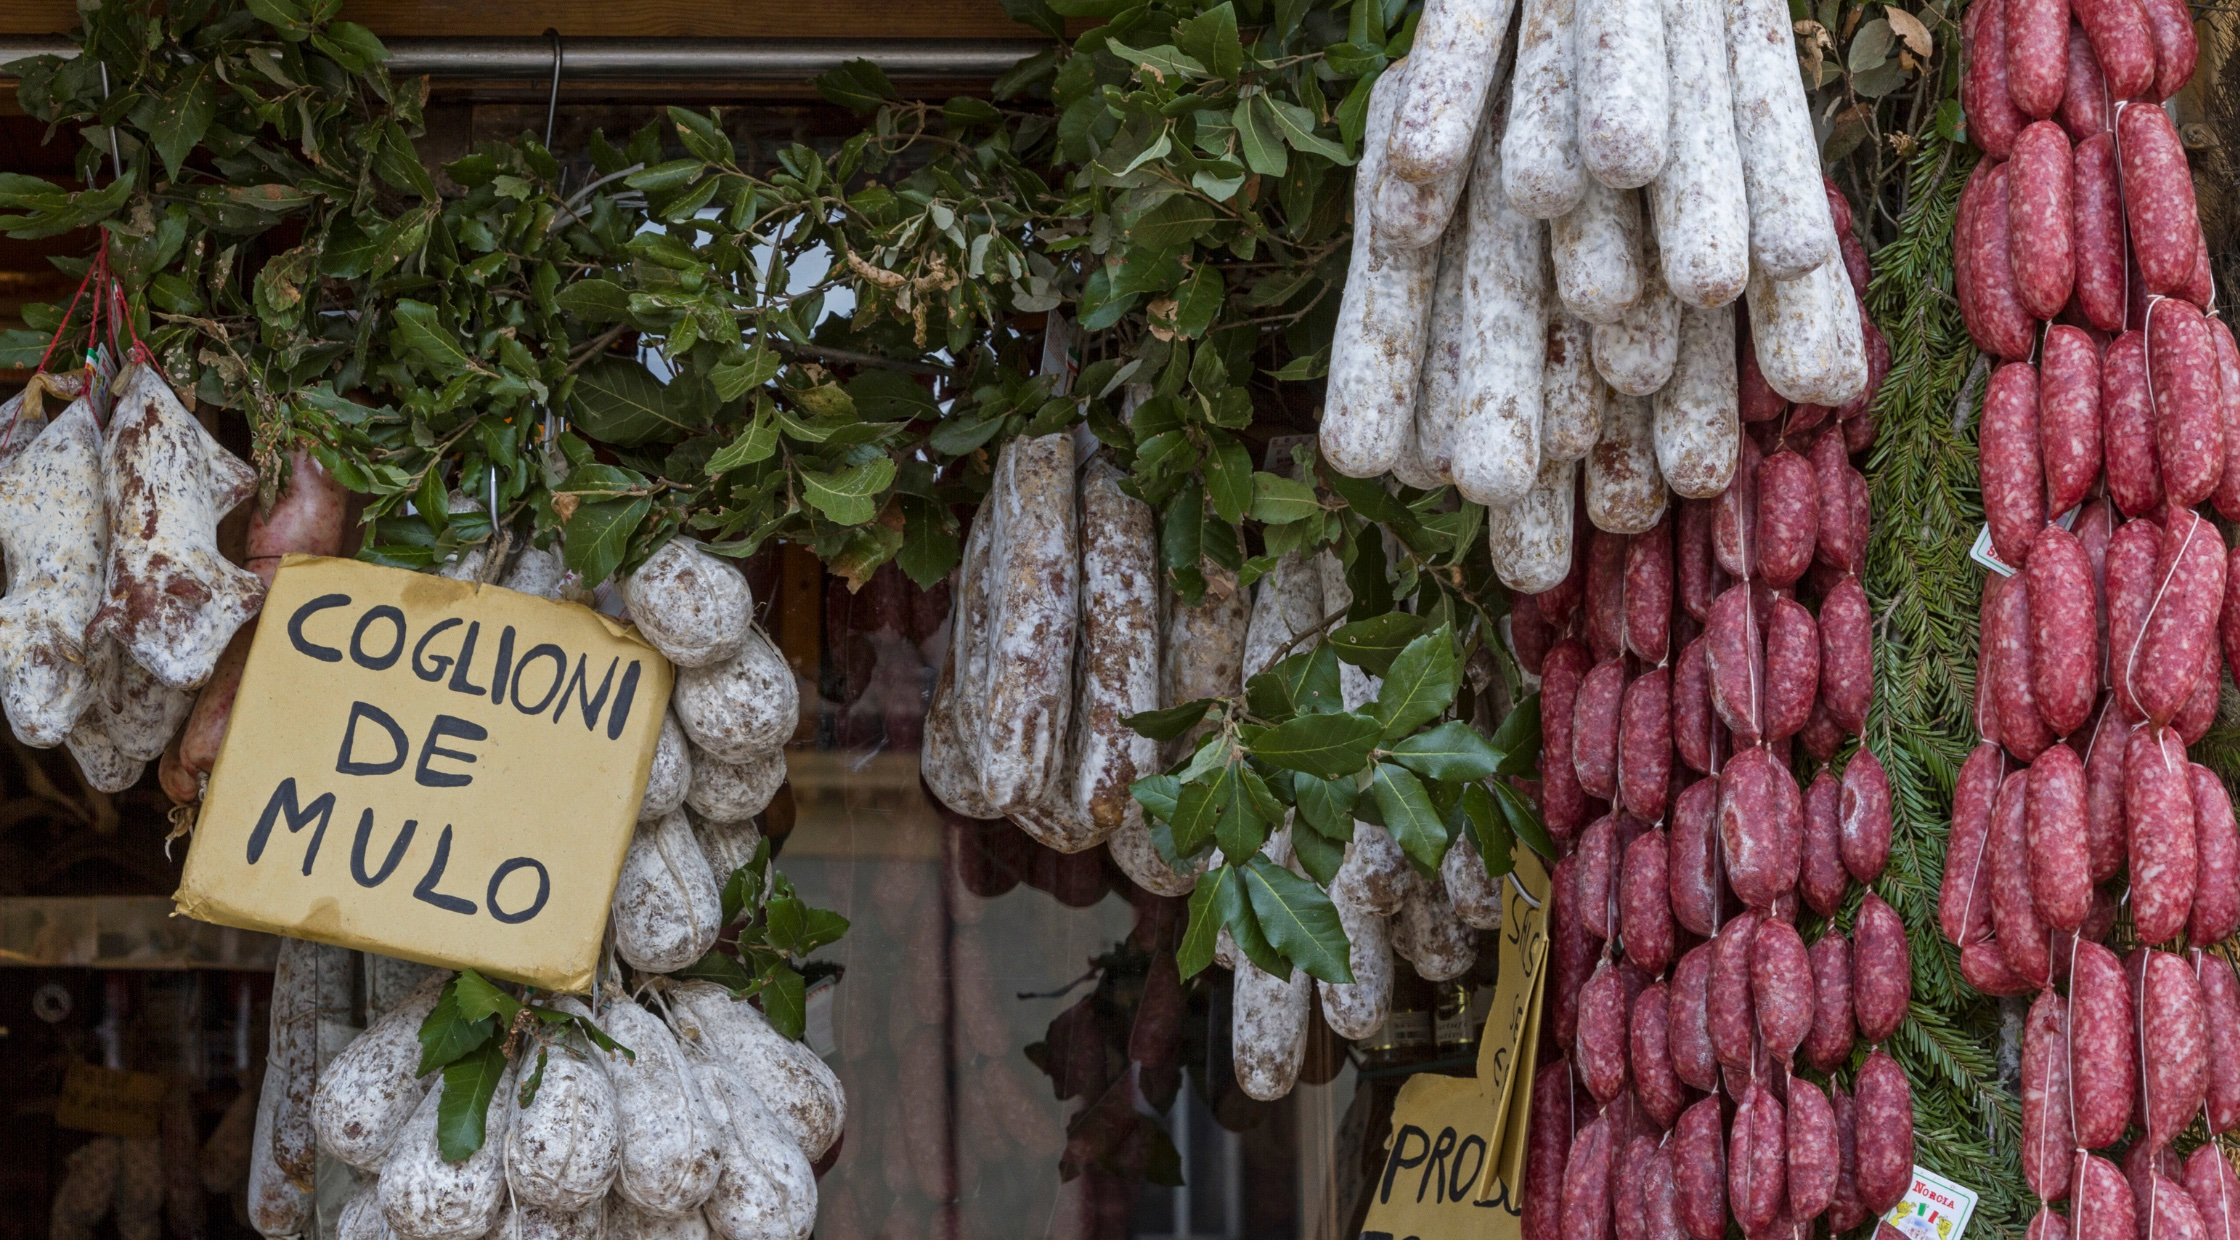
{"x":2201,"y":289}
{"x":2096,"y":199}
{"x":2127,"y":428}
{"x":1605,"y":594}
{"x":2054,"y":837}
{"x":2014,"y":919}
{"x":1595,"y":875}
{"x":2122,"y":43}
{"x":1630,"y":1204}
{"x":1757,"y":1159}
{"x":2104,"y":834}
{"x":1857,"y":416}
{"x":2064,"y":642}
{"x":1780,"y":988}
{"x":1881,"y":970}
{"x":2180,"y":630}
{"x":1695,"y":573}
{"x":2175,"y":50}
{"x":1864,"y":820}
{"x":2215,"y":1191}
{"x":2041,"y":215}
{"x":1834,"y":545}
{"x":2037,"y":54}
{"x":2008,"y":630}
{"x":1792,"y":667}
{"x":1986,"y":92}
{"x":1530,"y":633}
{"x":1828,"y":1045}
{"x":1733,"y":1022}
{"x":1656,"y":1086}
{"x":1884,"y":1103}
{"x":1815,"y":1161}
{"x":2101,"y":1046}
{"x":2226,"y":497}
{"x":1595,"y":716}
{"x":1687,"y":1022}
{"x":1755,"y":400}
{"x":1563,"y":804}
{"x":2047,"y":1224}
{"x":2133,"y":572}
{"x":1548,"y":1145}
{"x":2216,"y":847}
{"x":1820,"y":874}
{"x":2158,"y":199}
{"x":1648,"y":593}
{"x":2228,"y":619}
{"x":1984,"y":966}
{"x":1645,"y":745}
{"x":1691,"y":859}
{"x":1699,"y":1170}
{"x":1821,"y":738}
{"x":1600,"y":1049}
{"x":2048,"y":1139}
{"x":2084,"y":100}
{"x":2004,"y":327}
{"x":2199,"y":713}
{"x":1734,"y":649}
{"x":1572,"y":951}
{"x":2101,"y":1205}
{"x":1694,"y":726}
{"x":1761,"y":816}
{"x":2176,"y":1050}
{"x":1847,"y":654}
{"x":2188,"y":403}
{"x":1644,"y":908}
{"x":1963,"y":896}
{"x":1845,"y":1212}
{"x":1734,"y":516}
{"x":1586,"y":1182}
{"x":2068,"y":415}
{"x":2014,"y":491}
{"x":1788,"y":518}
{"x":2220,"y":1014}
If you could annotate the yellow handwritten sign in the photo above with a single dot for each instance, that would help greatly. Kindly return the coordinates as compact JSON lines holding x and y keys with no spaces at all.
{"x":108,"y":1100}
{"x":429,"y":769}
{"x":1454,"y":1162}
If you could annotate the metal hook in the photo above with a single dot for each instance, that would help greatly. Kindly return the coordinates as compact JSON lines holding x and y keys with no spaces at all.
{"x":552,"y":102}
{"x":116,"y":156}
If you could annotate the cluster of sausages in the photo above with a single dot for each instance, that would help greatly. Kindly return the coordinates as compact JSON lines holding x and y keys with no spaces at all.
{"x":2113,"y":416}
{"x":1543,"y":289}
{"x":1682,"y":668}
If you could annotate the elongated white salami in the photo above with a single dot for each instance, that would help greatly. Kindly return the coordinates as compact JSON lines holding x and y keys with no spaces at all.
{"x":1439,"y":392}
{"x":1625,"y":95}
{"x":667,"y":905}
{"x":1034,"y":569}
{"x":52,"y":525}
{"x":1807,"y":335}
{"x":1356,"y":1010}
{"x":1598,"y":254}
{"x":1572,"y":393}
{"x":1286,"y":608}
{"x":1634,"y":352}
{"x":1531,"y":538}
{"x":1203,"y":652}
{"x":1497,"y":443}
{"x":1119,"y":646}
{"x":1698,"y":203}
{"x":562,"y":1150}
{"x":671,"y":1151}
{"x":1268,"y":1016}
{"x":1791,"y":230}
{"x":424,"y":1195}
{"x":370,"y":1090}
{"x":1452,"y":67}
{"x":1698,"y":426}
{"x":947,"y":760}
{"x":1543,"y":175}
{"x":1625,"y":494}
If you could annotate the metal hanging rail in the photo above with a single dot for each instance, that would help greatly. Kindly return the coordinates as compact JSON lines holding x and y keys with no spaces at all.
{"x":774,"y":61}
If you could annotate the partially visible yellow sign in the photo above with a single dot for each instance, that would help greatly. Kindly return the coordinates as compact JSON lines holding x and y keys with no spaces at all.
{"x":1455,"y":1159}
{"x":429,"y":769}
{"x":108,"y":1100}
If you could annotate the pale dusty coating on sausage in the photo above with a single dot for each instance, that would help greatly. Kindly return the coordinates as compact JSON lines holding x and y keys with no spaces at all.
{"x":1452,"y":66}
{"x":1356,"y":1010}
{"x":423,"y":1195}
{"x":741,"y":708}
{"x":1119,"y":646}
{"x":671,"y":1151}
{"x":1268,"y":1016}
{"x":723,"y":791}
{"x":667,"y":905}
{"x":1426,"y":932}
{"x":1807,"y":335}
{"x":527,"y":1221}
{"x":133,"y":708}
{"x":1791,"y":229}
{"x":1697,"y":203}
{"x":627,"y":1220}
{"x":1625,"y":492}
{"x":1445,"y":371}
{"x":947,"y":760}
{"x":368,"y":1091}
{"x":1476,"y":896}
{"x":1034,"y":566}
{"x":1287,"y":606}
{"x":1694,"y":417}
{"x":562,"y":1149}
{"x":671,"y":773}
{"x":1374,"y":870}
{"x":1202,"y":651}
{"x":360,"y":1219}
{"x":277,"y":1205}
{"x":784,"y":1073}
{"x":1635,"y":351}
{"x":1383,"y":315}
{"x":1497,"y":441}
{"x":1625,"y":91}
{"x":693,"y":607}
{"x":766,"y":1189}
{"x":1598,"y":252}
{"x":53,"y":524}
{"x":727,"y":846}
{"x":1531,"y":538}
{"x":1544,"y":177}
{"x":1572,"y":394}
{"x":1139,"y":859}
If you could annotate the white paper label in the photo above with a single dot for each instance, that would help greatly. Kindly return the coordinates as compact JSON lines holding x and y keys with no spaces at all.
{"x":1936,"y":1208}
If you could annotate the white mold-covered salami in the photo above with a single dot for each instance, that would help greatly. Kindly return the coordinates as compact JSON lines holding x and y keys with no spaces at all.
{"x":562,"y":1149}
{"x":799,"y":1087}
{"x":527,"y":1221}
{"x":1034,"y":569}
{"x":52,"y":526}
{"x":292,"y":1058}
{"x":947,"y":758}
{"x":1138,"y":858}
{"x":1634,"y":352}
{"x":1268,"y":1017}
{"x":391,"y":982}
{"x":1625,"y":96}
{"x":139,"y":713}
{"x":766,"y":1189}
{"x":1119,"y":647}
{"x":1791,"y":229}
{"x":424,"y":1195}
{"x":1497,"y":442}
{"x":1807,"y":335}
{"x":1288,"y":605}
{"x":671,"y":1150}
{"x":98,"y":758}
{"x":24,"y":417}
{"x":278,"y":1207}
{"x":1446,"y":350}
{"x":1543,"y":175}
{"x":727,"y":846}
{"x":1357,"y":1010}
{"x":1374,"y":872}
{"x":1383,"y":315}
{"x":369,"y":1091}
{"x":1531,"y":538}
{"x":695,"y":608}
{"x":627,"y":1220}
{"x":1475,"y":895}
{"x":1698,"y":206}
{"x":1572,"y":393}
{"x":1452,"y":66}
{"x":670,"y":777}
{"x":1411,"y":470}
{"x":170,"y":599}
{"x":1625,"y":493}
{"x":1427,"y":933}
{"x":724,"y":791}
{"x":360,"y":1219}
{"x":1697,"y":425}
{"x":540,"y":571}
{"x":741,"y":708}
{"x":1598,"y":253}
{"x":1203,"y":652}
{"x":667,"y":905}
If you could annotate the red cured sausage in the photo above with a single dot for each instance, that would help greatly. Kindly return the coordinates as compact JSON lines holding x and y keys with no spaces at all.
{"x":2004,"y":327}
{"x":2228,"y":620}
{"x":2157,"y":194}
{"x":1595,"y":876}
{"x":1761,"y":816}
{"x":2188,"y":404}
{"x":1788,"y":518}
{"x":1648,"y":593}
{"x":1644,"y":909}
{"x":2037,"y":54}
{"x":2068,"y":415}
{"x":2175,"y":51}
{"x":2054,"y":829}
{"x":2180,"y":629}
{"x":2096,"y":198}
{"x":1600,"y":1048}
{"x":1780,"y":987}
{"x":1594,"y":728}
{"x":1757,"y":1159}
{"x":1820,"y":874}
{"x":1963,"y":896}
{"x":1792,"y":667}
{"x":2102,"y":1067}
{"x":2220,"y":1014}
{"x":1884,"y":1117}
{"x":1562,"y":803}
{"x":2084,"y":99}
{"x":2215,"y":1191}
{"x":2104,"y":834}
{"x":2133,"y":571}
{"x":2047,"y":1224}
{"x":1857,"y":415}
{"x":1986,"y":92}
{"x":1733,"y":1022}
{"x":2122,"y":43}
{"x":1548,"y":1145}
{"x":2007,"y":630}
{"x":2226,"y":496}
{"x":1687,"y":1021}
{"x":1699,"y":1170}
{"x":1572,"y":950}
{"x":2175,"y":1079}
{"x":1881,"y":970}
{"x":2047,"y":1136}
{"x":1845,"y":1212}
{"x":1604,"y":595}
{"x":1528,"y":630}
{"x":1693,"y":724}
{"x":2014,"y":919}
{"x":1735,"y":656}
{"x":1645,"y":745}
{"x":2101,"y":1204}
{"x":1815,"y":1161}
{"x":1984,"y":966}
{"x":2041,"y":214}
{"x":2014,"y":502}
{"x":1695,"y":573}
{"x":1691,"y":861}
{"x":1828,"y":1045}
{"x":2216,"y":847}
{"x":1586,"y":1181}
{"x":1847,"y":654}
{"x":1734,"y":515}
{"x":1836,"y":545}
{"x":1864,"y":819}
{"x":1656,"y":1087}
{"x":2064,"y":642}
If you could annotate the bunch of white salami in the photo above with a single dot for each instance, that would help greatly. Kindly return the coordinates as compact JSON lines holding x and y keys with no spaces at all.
{"x":1547,"y":275}
{"x":2110,"y":418}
